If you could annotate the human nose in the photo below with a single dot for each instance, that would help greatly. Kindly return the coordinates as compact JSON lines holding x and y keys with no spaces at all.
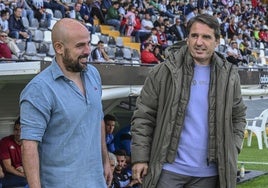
{"x":87,"y":49}
{"x":199,"y":41}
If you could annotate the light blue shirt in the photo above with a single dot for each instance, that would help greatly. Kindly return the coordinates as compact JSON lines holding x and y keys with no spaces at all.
{"x":67,"y":126}
{"x":193,"y":144}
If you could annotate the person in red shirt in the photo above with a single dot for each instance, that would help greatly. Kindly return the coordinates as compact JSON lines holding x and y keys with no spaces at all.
{"x":5,"y":51}
{"x":11,"y":160}
{"x":147,"y":55}
{"x":162,"y":37}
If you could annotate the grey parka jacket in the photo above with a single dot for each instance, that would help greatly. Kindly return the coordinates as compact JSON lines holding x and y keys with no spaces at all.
{"x":158,"y":119}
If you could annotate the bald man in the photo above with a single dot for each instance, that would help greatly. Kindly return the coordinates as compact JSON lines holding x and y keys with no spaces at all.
{"x":62,"y":128}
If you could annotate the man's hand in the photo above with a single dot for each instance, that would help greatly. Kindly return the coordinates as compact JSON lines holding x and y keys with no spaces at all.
{"x":108,"y":175}
{"x":20,"y":169}
{"x":139,"y":170}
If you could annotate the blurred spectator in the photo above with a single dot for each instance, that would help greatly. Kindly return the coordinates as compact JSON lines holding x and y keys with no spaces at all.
{"x":122,"y":173}
{"x":163,"y":9}
{"x":149,"y":7}
{"x":130,"y":20}
{"x":192,"y":14}
{"x":233,"y":54}
{"x":189,"y":7}
{"x":162,"y":38}
{"x":113,"y":18}
{"x":105,"y":5}
{"x":26,"y":10}
{"x":157,"y":23}
{"x":56,"y":5}
{"x":137,"y":26}
{"x":232,"y":29}
{"x":16,"y":27}
{"x":154,"y":38}
{"x":12,"y":45}
{"x":178,"y":30}
{"x":109,"y":121}
{"x":147,"y":56}
{"x":96,"y":10}
{"x":10,"y":156}
{"x":85,"y":12}
{"x":4,"y":20}
{"x":40,"y":13}
{"x":113,"y":161}
{"x":246,"y":52}
{"x":158,"y":55}
{"x":146,"y":27}
{"x":99,"y":54}
{"x":5,"y":51}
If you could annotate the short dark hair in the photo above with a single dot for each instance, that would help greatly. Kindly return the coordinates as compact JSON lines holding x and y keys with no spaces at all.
{"x":207,"y":19}
{"x":115,"y":3}
{"x":17,"y":122}
{"x":109,"y":117}
{"x":100,"y":42}
{"x":120,"y":152}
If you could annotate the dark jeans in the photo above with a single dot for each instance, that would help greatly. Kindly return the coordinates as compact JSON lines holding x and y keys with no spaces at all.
{"x":16,"y":35}
{"x":12,"y":180}
{"x":170,"y":180}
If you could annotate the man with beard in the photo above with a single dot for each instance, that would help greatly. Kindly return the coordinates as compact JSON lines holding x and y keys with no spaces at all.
{"x":63,"y":133}
{"x":122,"y":173}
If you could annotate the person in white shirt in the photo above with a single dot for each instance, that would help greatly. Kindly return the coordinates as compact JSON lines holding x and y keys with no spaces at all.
{"x":99,"y":54}
{"x":146,"y":27}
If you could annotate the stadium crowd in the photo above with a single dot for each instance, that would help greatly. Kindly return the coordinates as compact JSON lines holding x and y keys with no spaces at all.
{"x":160,"y":23}
{"x":154,"y":24}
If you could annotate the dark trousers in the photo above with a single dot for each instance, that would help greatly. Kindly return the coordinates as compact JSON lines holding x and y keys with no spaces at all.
{"x":11,"y":180}
{"x":172,"y":180}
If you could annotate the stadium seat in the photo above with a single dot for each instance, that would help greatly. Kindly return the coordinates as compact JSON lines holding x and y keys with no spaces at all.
{"x":119,"y":42}
{"x":31,"y":52}
{"x":51,"y":51}
{"x":58,"y":14}
{"x":47,"y":36}
{"x":119,"y":54}
{"x":111,"y":42}
{"x":25,"y":22}
{"x":111,"y":52}
{"x":95,"y":39}
{"x":34,"y":23}
{"x":38,"y":36}
{"x":127,"y":53}
{"x":133,"y":45}
{"x":135,"y":55}
{"x":257,"y":126}
{"x":105,"y":27}
{"x":114,"y":33}
{"x":96,"y":21}
{"x":53,"y":21}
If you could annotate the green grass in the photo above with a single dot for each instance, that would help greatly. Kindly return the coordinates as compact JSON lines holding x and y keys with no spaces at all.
{"x":253,"y":154}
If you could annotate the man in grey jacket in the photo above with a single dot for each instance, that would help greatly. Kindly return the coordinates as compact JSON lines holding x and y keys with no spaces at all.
{"x":189,"y":123}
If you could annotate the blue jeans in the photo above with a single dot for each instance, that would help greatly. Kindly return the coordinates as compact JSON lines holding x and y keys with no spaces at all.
{"x":13,"y":180}
{"x":114,"y":22}
{"x":16,"y":35}
{"x":47,"y":17}
{"x":29,"y":14}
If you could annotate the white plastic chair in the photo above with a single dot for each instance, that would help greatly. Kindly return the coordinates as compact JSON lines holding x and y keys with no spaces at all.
{"x":257,"y":126}
{"x":47,"y":36}
{"x":95,"y":39}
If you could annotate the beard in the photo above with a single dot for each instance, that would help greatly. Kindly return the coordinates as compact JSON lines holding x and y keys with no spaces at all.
{"x":73,"y":65}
